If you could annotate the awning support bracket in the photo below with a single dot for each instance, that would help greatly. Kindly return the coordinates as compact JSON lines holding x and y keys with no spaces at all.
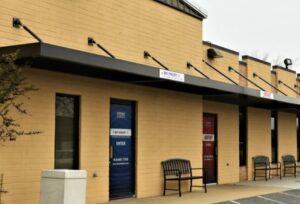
{"x":281,"y":82}
{"x":16,"y":23}
{"x":241,"y":75}
{"x":255,"y":75}
{"x":220,"y":72}
{"x":147,"y":55}
{"x":189,"y":65}
{"x":91,"y":42}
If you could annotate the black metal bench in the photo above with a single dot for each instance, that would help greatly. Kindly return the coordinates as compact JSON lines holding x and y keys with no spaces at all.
{"x":289,"y":163}
{"x":263,"y":164}
{"x":180,"y":170}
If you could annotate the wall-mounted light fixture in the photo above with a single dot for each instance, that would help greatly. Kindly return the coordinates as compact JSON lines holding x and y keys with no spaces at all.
{"x":288,"y":62}
{"x":213,"y":53}
{"x":16,"y":23}
{"x":91,"y":42}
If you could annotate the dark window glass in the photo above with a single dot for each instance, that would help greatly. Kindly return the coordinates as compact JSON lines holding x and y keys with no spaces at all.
{"x":66,"y":132}
{"x":243,"y":136}
{"x":274,"y":141}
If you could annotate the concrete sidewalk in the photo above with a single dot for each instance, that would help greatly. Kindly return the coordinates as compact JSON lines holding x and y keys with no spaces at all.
{"x":286,"y":182}
{"x":219,"y":193}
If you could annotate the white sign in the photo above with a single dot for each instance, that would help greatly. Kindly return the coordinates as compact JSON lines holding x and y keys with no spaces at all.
{"x":265,"y":94}
{"x":120,"y":132}
{"x":208,"y":137}
{"x":175,"y":76}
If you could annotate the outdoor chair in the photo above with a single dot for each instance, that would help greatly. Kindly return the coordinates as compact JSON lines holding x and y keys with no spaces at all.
{"x":290,"y":165}
{"x":263,"y":165}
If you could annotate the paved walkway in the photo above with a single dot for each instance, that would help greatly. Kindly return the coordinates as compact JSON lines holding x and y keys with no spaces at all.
{"x":286,"y":182}
{"x":283,"y":191}
{"x":219,"y":193}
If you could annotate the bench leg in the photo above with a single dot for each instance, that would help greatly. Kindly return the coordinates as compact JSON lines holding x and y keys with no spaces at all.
{"x":254,"y":175}
{"x":179,"y":187}
{"x":191,"y":185}
{"x":165,"y":185}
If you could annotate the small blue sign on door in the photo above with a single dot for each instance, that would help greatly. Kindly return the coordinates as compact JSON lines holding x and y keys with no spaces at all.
{"x":121,"y":179}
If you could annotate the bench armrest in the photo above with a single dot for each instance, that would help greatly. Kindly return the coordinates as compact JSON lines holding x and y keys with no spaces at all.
{"x":197,"y":168}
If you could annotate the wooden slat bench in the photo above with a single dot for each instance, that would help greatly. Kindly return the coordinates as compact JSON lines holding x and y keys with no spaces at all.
{"x":263,"y":164}
{"x":290,"y":163}
{"x":180,"y":170}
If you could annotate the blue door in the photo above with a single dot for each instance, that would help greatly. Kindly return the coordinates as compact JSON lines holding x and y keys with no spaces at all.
{"x":121,"y":179}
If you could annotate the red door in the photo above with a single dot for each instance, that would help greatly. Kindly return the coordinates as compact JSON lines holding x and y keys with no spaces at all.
{"x":209,"y":147}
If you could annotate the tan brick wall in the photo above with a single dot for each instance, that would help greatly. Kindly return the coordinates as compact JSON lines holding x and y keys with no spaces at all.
{"x":228,"y":140}
{"x":126,"y":28}
{"x":287,"y":134}
{"x":274,"y":81}
{"x":222,"y":64}
{"x":298,"y":86}
{"x":260,"y":69}
{"x":258,"y":136}
{"x":162,"y":133}
{"x":288,"y":78}
{"x":243,"y":70}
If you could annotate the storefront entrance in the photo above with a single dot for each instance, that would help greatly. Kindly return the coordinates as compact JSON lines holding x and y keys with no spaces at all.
{"x":210,"y":146}
{"x":121,"y":153}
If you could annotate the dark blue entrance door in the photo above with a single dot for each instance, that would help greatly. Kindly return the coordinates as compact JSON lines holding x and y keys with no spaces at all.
{"x":121,"y":179}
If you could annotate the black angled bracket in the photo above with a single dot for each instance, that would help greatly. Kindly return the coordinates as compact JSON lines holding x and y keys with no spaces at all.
{"x":189,"y":65}
{"x":238,"y":73}
{"x":16,"y":23}
{"x":255,"y":75}
{"x":147,"y":55}
{"x":220,"y":73}
{"x":91,"y":42}
{"x":281,"y":82}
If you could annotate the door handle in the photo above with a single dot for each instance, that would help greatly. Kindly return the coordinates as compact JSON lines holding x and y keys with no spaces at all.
{"x":111,"y":153}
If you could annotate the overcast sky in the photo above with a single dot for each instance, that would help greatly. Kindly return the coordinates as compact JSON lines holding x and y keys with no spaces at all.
{"x":255,"y":27}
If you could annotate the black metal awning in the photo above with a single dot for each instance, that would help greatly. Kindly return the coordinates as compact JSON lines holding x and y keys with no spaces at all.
{"x":61,"y":59}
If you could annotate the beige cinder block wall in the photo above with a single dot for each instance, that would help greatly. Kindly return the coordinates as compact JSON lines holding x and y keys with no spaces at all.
{"x":287,"y":134}
{"x":125,"y":28}
{"x":243,"y":70}
{"x":259,"y":136}
{"x":162,"y":132}
{"x":228,"y":140}
{"x":288,"y":77}
{"x":298,"y":85}
{"x":230,"y":58}
{"x":274,"y":81}
{"x":261,"y":68}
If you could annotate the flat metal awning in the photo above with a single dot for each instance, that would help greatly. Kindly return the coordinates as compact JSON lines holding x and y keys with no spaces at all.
{"x":61,"y":59}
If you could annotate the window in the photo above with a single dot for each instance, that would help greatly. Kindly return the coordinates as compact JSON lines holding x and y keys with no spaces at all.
{"x":66,"y":132}
{"x":274,"y":142}
{"x":243,"y":135}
